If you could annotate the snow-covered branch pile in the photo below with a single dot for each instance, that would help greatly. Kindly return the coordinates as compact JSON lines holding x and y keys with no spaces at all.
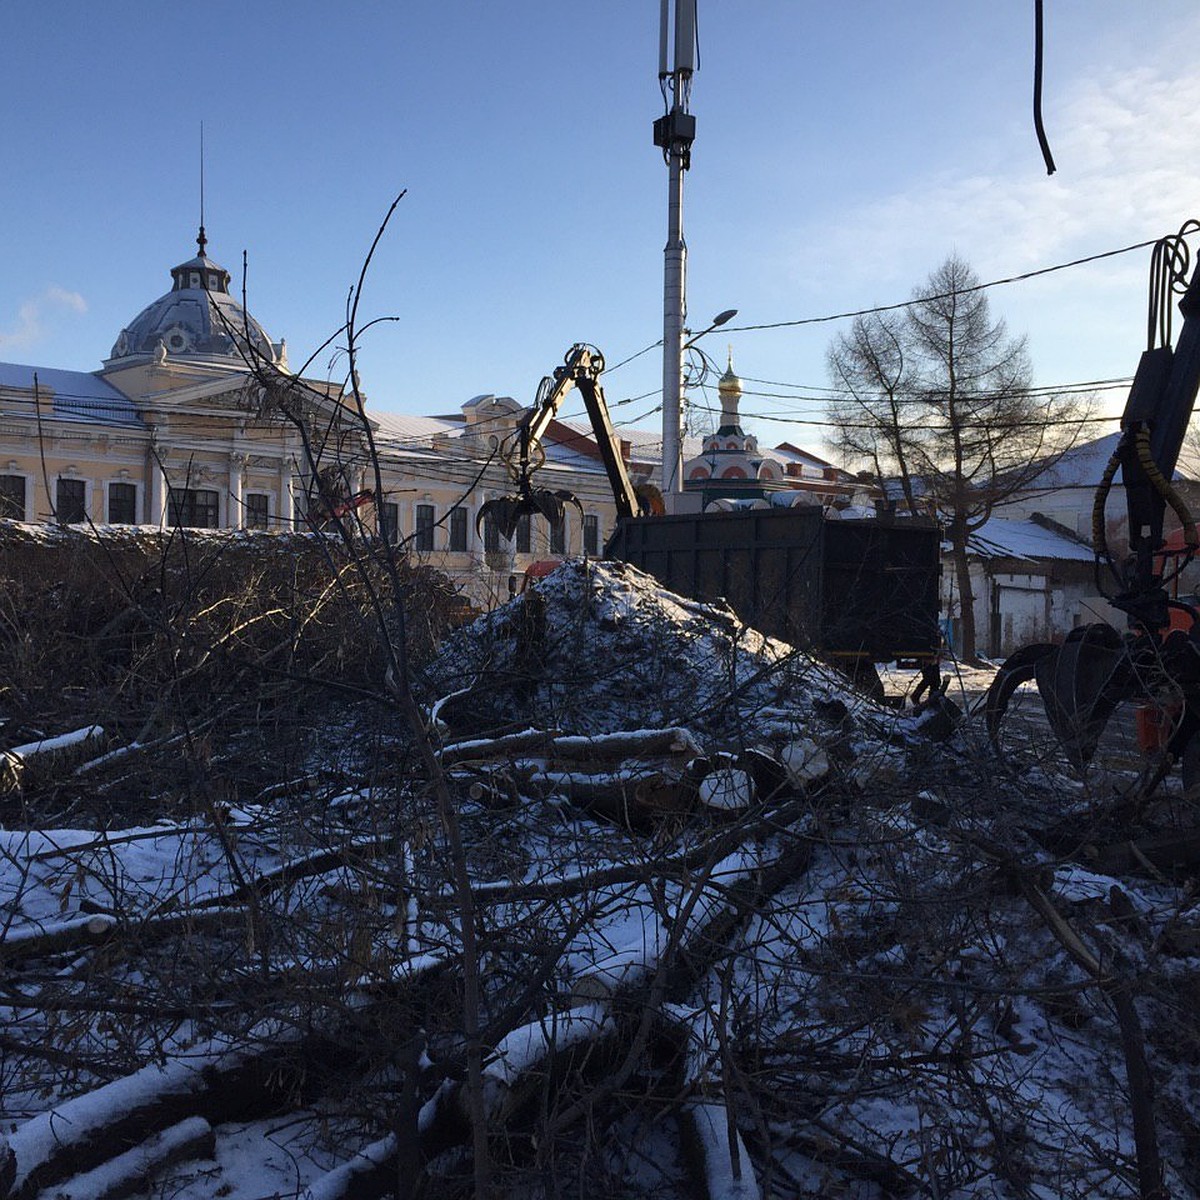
{"x":738,"y":932}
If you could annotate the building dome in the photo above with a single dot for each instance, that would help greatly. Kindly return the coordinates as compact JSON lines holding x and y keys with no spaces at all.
{"x":730,"y":391}
{"x":730,"y":384}
{"x":197,"y":319}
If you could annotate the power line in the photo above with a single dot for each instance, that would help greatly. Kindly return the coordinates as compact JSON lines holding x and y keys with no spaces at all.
{"x":979,"y":287}
{"x":1050,"y":388}
{"x":1044,"y":422}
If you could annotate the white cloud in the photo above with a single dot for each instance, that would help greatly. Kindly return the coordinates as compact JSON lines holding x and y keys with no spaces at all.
{"x":1127,"y":150}
{"x":34,"y":313}
{"x":1128,"y":156}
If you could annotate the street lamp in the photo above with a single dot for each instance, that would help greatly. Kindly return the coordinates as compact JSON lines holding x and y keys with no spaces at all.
{"x":673,"y":423}
{"x":720,"y":319}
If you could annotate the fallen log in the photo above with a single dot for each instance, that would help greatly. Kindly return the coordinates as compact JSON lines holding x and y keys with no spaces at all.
{"x":727,"y":789}
{"x":56,"y":937}
{"x":370,"y":1174}
{"x":1165,"y":852}
{"x":715,"y":1155}
{"x":35,"y":761}
{"x":544,"y":1054}
{"x":720,"y":1167}
{"x":215,"y":1081}
{"x":295,"y":870}
{"x":218,"y":1080}
{"x":129,"y":1174}
{"x":628,"y":797}
{"x":639,"y":743}
{"x":105,"y":929}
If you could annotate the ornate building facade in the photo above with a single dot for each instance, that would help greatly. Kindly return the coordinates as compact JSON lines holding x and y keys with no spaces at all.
{"x":184,"y":425}
{"x":194,"y":420}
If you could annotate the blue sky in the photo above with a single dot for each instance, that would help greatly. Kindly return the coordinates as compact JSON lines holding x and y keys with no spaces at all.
{"x":842,"y":152}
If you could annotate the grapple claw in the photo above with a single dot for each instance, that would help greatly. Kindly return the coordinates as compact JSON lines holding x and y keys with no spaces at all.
{"x":1081,"y":682}
{"x":1017,"y":669}
{"x":507,"y":511}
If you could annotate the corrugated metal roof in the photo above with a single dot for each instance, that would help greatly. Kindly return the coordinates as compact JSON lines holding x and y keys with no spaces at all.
{"x":77,"y":395}
{"x":1007,"y":537}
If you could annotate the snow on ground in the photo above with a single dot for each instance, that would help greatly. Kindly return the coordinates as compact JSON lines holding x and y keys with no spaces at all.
{"x":894,"y":1016}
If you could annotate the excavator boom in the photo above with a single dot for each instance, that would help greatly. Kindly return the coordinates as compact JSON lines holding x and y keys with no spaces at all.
{"x":1155,"y":663}
{"x":523,"y":452}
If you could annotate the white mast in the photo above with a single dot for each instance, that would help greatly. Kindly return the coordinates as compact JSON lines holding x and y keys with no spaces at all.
{"x":674,"y":133}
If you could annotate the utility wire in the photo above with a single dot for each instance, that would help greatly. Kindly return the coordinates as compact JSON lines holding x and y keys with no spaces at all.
{"x":1050,"y":388}
{"x":979,"y":287}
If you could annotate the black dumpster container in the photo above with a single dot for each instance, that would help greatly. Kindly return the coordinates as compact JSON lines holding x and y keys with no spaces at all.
{"x":863,"y":589}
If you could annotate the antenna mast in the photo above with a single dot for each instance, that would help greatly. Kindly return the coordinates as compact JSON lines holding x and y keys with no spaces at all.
{"x":202,"y":241}
{"x":674,"y":133}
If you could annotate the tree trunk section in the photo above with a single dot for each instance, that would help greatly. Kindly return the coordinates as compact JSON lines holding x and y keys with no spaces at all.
{"x":968,"y":650}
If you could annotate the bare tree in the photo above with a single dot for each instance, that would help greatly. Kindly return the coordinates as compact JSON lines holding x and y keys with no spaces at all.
{"x":938,"y":398}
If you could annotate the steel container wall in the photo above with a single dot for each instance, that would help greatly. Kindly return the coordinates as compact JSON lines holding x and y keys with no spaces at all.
{"x":857,"y":588}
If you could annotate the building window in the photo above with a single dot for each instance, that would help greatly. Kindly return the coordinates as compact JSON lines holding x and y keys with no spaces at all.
{"x":458,"y":529}
{"x":12,"y":497}
{"x":524,"y":534}
{"x":491,"y":535}
{"x":558,"y":536}
{"x":122,"y":503}
{"x":194,"y":508}
{"x":591,"y":535}
{"x":70,"y":501}
{"x":258,"y":510}
{"x":423,"y":539}
{"x":389,"y":514}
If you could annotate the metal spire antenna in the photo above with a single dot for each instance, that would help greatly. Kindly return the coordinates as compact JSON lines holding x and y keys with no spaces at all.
{"x":201,"y":240}
{"x":674,"y":133}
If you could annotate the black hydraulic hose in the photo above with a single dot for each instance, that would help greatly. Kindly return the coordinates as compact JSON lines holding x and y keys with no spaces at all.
{"x":1037,"y":88}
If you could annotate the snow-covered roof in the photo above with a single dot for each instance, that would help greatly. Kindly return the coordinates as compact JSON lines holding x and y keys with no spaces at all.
{"x":403,"y":433}
{"x":417,"y":432}
{"x":1008,"y":537}
{"x":645,"y":445}
{"x":75,"y":395}
{"x":1081,"y":466}
{"x":787,"y":452}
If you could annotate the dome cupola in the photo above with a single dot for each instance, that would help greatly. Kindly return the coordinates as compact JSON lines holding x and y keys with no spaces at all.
{"x":730,"y":391}
{"x":196,"y":320}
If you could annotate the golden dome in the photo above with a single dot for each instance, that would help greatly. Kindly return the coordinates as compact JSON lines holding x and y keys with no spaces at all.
{"x":730,"y":384}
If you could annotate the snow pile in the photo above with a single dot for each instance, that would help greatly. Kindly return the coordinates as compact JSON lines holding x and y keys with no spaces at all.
{"x":600,"y":646}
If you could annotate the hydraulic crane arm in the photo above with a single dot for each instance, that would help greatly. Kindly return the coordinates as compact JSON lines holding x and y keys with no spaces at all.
{"x":1153,"y":428}
{"x":581,"y":369}
{"x":1154,"y":664}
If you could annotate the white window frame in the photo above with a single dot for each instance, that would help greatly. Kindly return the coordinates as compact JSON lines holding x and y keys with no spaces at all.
{"x":89,"y":489}
{"x":246,"y":507}
{"x":139,"y":498}
{"x":30,"y":495}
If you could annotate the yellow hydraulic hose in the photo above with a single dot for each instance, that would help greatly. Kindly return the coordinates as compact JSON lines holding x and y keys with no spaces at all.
{"x":1099,"y":540}
{"x":1141,"y":442}
{"x":1163,"y":487}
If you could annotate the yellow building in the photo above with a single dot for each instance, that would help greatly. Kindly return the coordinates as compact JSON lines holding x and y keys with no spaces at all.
{"x":194,"y":420}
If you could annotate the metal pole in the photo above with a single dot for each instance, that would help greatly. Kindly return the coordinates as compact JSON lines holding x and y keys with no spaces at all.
{"x":674,"y":316}
{"x":674,"y":133}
